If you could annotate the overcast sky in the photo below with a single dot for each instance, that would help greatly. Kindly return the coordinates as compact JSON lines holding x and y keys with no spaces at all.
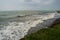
{"x":29,"y":4}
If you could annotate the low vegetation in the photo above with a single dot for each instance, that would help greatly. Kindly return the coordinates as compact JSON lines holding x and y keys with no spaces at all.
{"x":45,"y":34}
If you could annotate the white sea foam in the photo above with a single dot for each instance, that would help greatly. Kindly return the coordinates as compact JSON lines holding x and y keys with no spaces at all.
{"x":17,"y":30}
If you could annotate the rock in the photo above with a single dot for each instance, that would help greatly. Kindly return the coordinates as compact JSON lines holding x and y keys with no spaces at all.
{"x":57,"y":21}
{"x":58,"y":11}
{"x":18,"y":16}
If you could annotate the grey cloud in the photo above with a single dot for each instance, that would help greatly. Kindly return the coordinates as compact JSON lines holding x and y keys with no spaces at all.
{"x":28,"y":0}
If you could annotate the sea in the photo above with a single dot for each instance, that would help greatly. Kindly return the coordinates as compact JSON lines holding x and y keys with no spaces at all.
{"x":12,"y":19}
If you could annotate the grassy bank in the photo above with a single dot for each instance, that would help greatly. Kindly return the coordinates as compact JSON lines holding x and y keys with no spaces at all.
{"x":45,"y":34}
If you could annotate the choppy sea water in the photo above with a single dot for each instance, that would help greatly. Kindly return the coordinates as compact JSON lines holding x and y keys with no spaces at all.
{"x":13,"y":27}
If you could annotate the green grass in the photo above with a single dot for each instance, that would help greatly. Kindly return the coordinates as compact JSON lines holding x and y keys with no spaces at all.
{"x":45,"y":34}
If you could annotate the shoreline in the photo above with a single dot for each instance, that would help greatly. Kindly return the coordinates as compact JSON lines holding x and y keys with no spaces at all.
{"x":57,"y":21}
